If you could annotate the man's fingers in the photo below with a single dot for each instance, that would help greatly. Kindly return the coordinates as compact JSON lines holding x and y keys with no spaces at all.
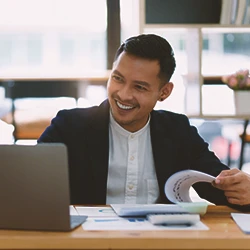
{"x":229,"y":172}
{"x":228,"y":177}
{"x":234,"y":200}
{"x":223,"y":174}
{"x":237,"y":199}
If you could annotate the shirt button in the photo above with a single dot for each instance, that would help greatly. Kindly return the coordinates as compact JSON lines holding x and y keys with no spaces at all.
{"x":130,"y":186}
{"x":132,"y":136}
{"x":132,"y":158}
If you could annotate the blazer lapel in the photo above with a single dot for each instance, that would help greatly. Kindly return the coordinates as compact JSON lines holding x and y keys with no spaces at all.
{"x":98,"y":148}
{"x":163,"y":147}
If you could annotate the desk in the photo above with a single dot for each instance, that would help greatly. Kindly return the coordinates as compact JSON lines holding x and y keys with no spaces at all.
{"x":223,"y":234}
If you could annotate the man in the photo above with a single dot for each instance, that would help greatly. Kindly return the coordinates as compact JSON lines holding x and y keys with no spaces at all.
{"x":123,"y":151}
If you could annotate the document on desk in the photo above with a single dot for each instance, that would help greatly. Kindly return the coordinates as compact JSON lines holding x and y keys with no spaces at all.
{"x":134,"y":224}
{"x":104,"y":218}
{"x":243,"y":221}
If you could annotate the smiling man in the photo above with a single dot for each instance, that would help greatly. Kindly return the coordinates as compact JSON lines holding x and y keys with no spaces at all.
{"x":123,"y":151}
{"x":134,"y":88}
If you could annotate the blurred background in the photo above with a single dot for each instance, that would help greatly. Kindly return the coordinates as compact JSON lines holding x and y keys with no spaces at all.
{"x":57,"y":54}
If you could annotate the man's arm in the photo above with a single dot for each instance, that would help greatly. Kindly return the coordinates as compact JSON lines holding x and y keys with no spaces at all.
{"x":232,"y":186}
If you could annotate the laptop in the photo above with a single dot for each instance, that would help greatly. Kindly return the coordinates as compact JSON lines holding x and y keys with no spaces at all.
{"x":34,"y":188}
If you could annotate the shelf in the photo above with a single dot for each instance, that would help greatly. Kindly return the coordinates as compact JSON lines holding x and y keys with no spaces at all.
{"x":202,"y":59}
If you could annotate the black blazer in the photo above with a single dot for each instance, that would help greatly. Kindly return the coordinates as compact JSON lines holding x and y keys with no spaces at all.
{"x":176,"y":146}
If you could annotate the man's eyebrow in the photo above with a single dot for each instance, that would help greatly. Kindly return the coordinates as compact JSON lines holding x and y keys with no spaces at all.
{"x":145,"y":84}
{"x":117,"y":73}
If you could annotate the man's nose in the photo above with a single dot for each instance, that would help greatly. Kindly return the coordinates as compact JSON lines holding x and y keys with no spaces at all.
{"x":125,"y":92}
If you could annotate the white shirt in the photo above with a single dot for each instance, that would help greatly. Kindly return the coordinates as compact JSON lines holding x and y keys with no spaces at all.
{"x":131,"y":175}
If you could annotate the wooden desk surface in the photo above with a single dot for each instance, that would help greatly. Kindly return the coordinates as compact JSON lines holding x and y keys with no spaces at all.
{"x":223,"y":234}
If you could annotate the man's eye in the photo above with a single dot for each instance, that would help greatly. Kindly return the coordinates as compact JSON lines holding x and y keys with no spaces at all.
{"x":139,"y":87}
{"x":117,"y":78}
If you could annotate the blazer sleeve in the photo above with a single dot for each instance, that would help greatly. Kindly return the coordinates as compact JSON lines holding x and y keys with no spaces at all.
{"x":206,"y":161}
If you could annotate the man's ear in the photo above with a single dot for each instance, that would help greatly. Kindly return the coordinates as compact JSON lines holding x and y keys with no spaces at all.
{"x":166,"y":91}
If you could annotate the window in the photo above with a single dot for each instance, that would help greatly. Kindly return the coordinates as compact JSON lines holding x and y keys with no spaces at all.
{"x":227,"y":52}
{"x":52,"y":37}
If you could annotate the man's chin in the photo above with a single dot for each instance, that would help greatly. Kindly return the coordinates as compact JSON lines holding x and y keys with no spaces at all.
{"x":121,"y":120}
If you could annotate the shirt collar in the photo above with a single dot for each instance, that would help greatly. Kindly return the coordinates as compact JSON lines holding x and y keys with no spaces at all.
{"x":125,"y":132}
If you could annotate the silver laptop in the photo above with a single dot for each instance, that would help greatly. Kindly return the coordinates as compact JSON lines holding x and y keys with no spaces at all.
{"x":34,"y":188}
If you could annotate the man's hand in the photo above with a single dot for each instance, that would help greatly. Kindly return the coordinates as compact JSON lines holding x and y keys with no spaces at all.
{"x":236,"y":186}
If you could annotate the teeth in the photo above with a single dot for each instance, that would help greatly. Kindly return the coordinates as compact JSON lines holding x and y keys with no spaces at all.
{"x":123,"y":106}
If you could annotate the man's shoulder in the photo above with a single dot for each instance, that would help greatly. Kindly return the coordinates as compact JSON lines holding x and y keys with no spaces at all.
{"x":78,"y":113}
{"x":162,"y":120}
{"x":168,"y":115}
{"x":72,"y":124}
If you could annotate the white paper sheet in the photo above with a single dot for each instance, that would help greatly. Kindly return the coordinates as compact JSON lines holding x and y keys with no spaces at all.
{"x":140,"y":224}
{"x":178,"y":185}
{"x":243,"y":221}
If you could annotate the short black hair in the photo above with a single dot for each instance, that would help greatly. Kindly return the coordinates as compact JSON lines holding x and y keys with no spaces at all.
{"x":152,"y":47}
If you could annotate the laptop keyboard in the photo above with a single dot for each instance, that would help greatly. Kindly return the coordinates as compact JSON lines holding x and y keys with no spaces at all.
{"x":77,"y":220}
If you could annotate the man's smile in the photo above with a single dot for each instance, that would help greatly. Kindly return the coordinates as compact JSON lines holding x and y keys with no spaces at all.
{"x":122,"y":106}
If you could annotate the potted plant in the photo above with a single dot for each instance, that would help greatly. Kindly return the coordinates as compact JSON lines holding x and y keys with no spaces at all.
{"x":239,"y":82}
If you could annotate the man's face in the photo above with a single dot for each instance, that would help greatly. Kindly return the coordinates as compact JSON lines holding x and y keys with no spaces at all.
{"x":133,"y":90}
